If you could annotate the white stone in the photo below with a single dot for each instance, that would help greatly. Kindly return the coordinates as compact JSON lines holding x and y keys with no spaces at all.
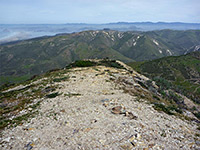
{"x":30,"y":109}
{"x":7,"y":139}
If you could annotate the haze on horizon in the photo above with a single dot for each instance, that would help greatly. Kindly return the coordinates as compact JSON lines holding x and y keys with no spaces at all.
{"x":98,"y":11}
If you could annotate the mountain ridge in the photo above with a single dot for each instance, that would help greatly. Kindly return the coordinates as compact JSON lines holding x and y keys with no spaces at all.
{"x":93,"y":104}
{"x":35,"y":56}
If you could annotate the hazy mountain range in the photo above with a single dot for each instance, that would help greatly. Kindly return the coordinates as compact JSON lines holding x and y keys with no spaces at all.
{"x":14,"y":32}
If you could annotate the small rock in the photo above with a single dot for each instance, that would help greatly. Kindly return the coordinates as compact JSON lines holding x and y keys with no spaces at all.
{"x":116,"y":110}
{"x":138,"y":136}
{"x":75,"y":131}
{"x":87,"y":129}
{"x":94,"y":121}
{"x":58,"y":139}
{"x":35,"y":139}
{"x":134,"y":143}
{"x":31,"y":129}
{"x":191,"y":144}
{"x":197,"y":142}
{"x":158,"y":147}
{"x":141,"y":125}
{"x":7,"y":139}
{"x":30,"y":109}
{"x":127,"y":146}
{"x":105,"y":100}
{"x":102,"y":141}
{"x":132,"y":138}
{"x":29,"y":146}
{"x":62,"y":110}
{"x":26,"y":129}
{"x":105,"y":105}
{"x":151,"y":145}
{"x":130,"y":115}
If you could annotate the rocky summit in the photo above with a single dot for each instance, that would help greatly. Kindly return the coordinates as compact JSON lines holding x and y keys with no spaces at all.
{"x":96,"y":107}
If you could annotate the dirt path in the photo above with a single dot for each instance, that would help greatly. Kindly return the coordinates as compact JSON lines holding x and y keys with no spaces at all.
{"x":82,"y":117}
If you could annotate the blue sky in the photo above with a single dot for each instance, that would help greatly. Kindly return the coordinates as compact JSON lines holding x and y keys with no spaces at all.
{"x":98,"y":11}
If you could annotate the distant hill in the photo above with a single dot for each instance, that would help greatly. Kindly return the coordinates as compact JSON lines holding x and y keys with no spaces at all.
{"x":178,"y":41}
{"x":149,"y":26}
{"x":23,"y":59}
{"x":180,"y":72}
{"x":14,"y":32}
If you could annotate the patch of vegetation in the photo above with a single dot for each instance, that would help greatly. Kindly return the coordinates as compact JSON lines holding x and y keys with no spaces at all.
{"x":82,"y":63}
{"x":197,"y":115}
{"x":179,"y":73}
{"x":16,"y":100}
{"x":159,"y":103}
{"x":162,"y":83}
{"x":72,"y":94}
{"x":87,"y":63}
{"x":34,"y":106}
{"x":197,"y":135}
{"x":61,"y":79}
{"x":111,"y":63}
{"x":15,"y":121}
{"x":161,"y":107}
{"x":13,"y":102}
{"x":52,"y":95}
{"x":96,"y":69}
{"x":176,"y":98}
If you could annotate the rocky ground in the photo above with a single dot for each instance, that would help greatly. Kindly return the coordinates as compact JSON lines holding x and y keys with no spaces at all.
{"x":93,"y":111}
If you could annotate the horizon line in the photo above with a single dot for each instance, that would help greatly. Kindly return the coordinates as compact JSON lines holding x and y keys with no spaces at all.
{"x":99,"y":23}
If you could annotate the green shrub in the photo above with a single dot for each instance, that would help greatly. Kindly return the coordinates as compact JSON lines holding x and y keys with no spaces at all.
{"x":156,"y":97}
{"x":174,"y":108}
{"x":60,"y":79}
{"x":4,"y":123}
{"x":161,"y":107}
{"x":163,"y":93}
{"x":197,"y":115}
{"x":176,"y":98}
{"x":162,"y":83}
{"x":52,"y":95}
{"x":111,"y":63}
{"x":87,"y":63}
{"x":72,"y":94}
{"x":82,"y":63}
